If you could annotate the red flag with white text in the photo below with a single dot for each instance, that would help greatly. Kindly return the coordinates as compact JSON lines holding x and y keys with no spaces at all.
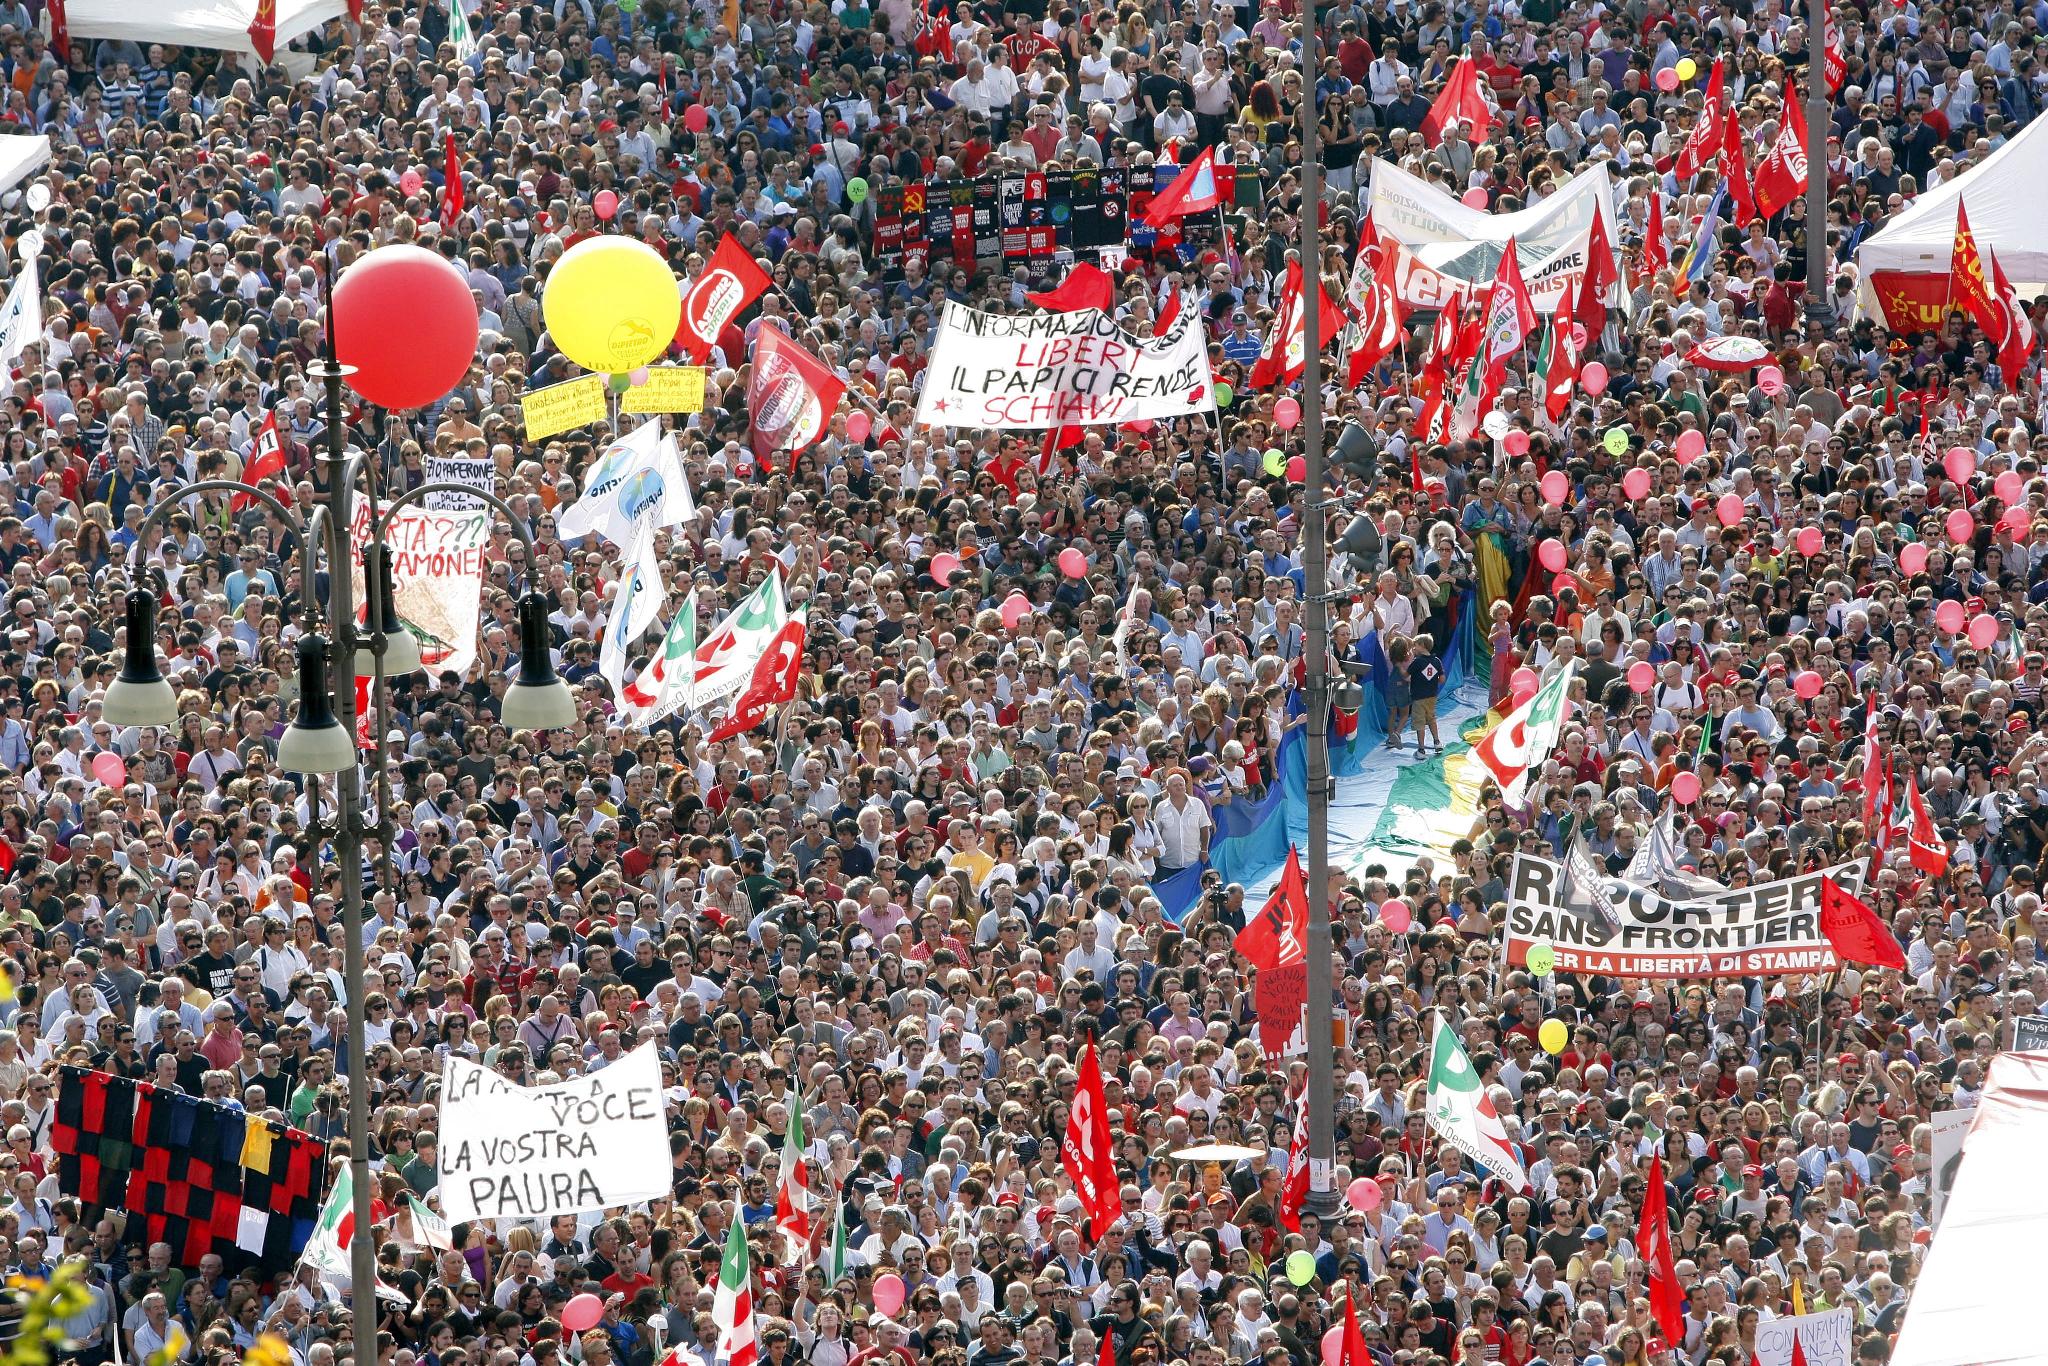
{"x":1085,"y":1148}
{"x":266,"y":460}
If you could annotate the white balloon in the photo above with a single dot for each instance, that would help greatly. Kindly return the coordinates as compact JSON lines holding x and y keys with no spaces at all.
{"x":38,"y":197}
{"x":1495,"y":424}
{"x":29,"y":244}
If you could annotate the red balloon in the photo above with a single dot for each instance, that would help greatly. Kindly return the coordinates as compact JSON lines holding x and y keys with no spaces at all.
{"x":1807,"y":684}
{"x":1594,"y":378}
{"x":1808,"y":541}
{"x":1960,"y":463}
{"x":1728,"y":508}
{"x":1961,"y":526}
{"x":1913,"y":557}
{"x":1667,"y":80}
{"x":1636,"y":483}
{"x":1552,"y":555}
{"x":1297,"y":469}
{"x":1073,"y":563}
{"x":858,"y":425}
{"x":1685,"y":788}
{"x":1949,"y":616}
{"x":1983,"y":630}
{"x":1287,"y":412}
{"x":1641,"y":677}
{"x":1516,"y":443}
{"x":696,"y":118}
{"x":403,"y":316}
{"x":606,"y":204}
{"x":582,"y":1312}
{"x":1555,"y":488}
{"x":1690,"y":446}
{"x":1523,"y":680}
{"x":2019,"y":520}
{"x":944,"y":566}
{"x":412,"y":182}
{"x":2008,"y":486}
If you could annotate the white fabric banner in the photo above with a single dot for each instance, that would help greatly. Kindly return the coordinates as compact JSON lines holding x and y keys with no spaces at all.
{"x":591,"y":1143}
{"x":437,"y":573}
{"x":1061,"y":369}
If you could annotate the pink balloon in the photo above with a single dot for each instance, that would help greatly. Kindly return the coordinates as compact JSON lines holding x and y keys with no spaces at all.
{"x":1961,"y":526}
{"x":1808,"y":541}
{"x":1636,"y":483}
{"x":1297,"y":469}
{"x":2019,"y":520}
{"x":1396,"y":916}
{"x":1949,"y":616}
{"x":1685,"y":788}
{"x":1016,"y":608}
{"x":858,"y":425}
{"x":1562,"y":582}
{"x":1913,"y":557}
{"x":1516,"y":443}
{"x":1983,"y":630}
{"x":888,"y":1293}
{"x":1474,"y":198}
{"x":696,"y":118}
{"x":582,"y":1312}
{"x":1556,"y":487}
{"x":1553,"y":555}
{"x":1641,"y":677}
{"x":944,"y":567}
{"x":1690,"y":446}
{"x":1770,"y":379}
{"x":1368,"y":1199}
{"x":2009,"y":486}
{"x":1960,"y":463}
{"x":1287,"y":412}
{"x":1667,"y":80}
{"x":1333,"y":1341}
{"x":1807,"y":684}
{"x":1594,"y":378}
{"x":110,"y":768}
{"x":1523,"y":680}
{"x":1073,"y":563}
{"x":412,"y":182}
{"x":1728,"y":507}
{"x":606,"y":203}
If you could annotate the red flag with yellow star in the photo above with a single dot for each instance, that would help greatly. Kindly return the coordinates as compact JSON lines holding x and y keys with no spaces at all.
{"x":1969,"y":283}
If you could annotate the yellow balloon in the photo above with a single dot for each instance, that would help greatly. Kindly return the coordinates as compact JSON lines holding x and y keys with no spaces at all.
{"x":1553,"y":1037}
{"x":611,"y":304}
{"x":1687,"y":68}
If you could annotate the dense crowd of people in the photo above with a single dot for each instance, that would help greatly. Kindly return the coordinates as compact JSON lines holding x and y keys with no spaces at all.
{"x":913,"y":894}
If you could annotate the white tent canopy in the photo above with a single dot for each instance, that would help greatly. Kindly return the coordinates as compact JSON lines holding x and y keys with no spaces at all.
{"x":2003,"y":193}
{"x":222,"y":25}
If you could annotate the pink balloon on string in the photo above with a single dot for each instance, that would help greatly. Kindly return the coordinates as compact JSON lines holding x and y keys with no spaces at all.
{"x":696,"y":118}
{"x":1667,"y":80}
{"x":1685,"y":788}
{"x":1809,"y":540}
{"x":2019,"y":520}
{"x":110,"y":768}
{"x":1368,"y":1199}
{"x":1690,"y":446}
{"x":1287,"y":412}
{"x":2009,"y":486}
{"x":1396,"y":916}
{"x":1641,"y":677}
{"x":1016,"y":609}
{"x":1297,"y":469}
{"x":1949,"y":616}
{"x":1073,"y":563}
{"x":1728,"y":507}
{"x":581,"y":1312}
{"x":606,"y":203}
{"x":1594,"y":378}
{"x":888,"y":1293}
{"x":1636,"y":483}
{"x":1474,"y":198}
{"x":1555,"y":487}
{"x":1523,"y":680}
{"x":1333,"y":1344}
{"x":1913,"y":557}
{"x":1807,"y":684}
{"x":858,"y":425}
{"x":1983,"y":630}
{"x":1560,"y":583}
{"x":1959,"y":463}
{"x":944,"y":567}
{"x":1771,"y":380}
{"x":1516,"y":443}
{"x":412,"y":182}
{"x":1553,"y":555}
{"x":1961,"y":526}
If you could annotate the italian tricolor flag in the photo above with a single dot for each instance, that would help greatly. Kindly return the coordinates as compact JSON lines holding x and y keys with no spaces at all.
{"x":793,"y":1202}
{"x":328,"y":1248}
{"x":726,"y":659}
{"x":1461,"y":1113}
{"x":664,"y":686}
{"x":732,"y":1308}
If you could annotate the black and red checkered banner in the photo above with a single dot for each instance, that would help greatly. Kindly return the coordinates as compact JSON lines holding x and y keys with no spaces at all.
{"x":202,"y":1177}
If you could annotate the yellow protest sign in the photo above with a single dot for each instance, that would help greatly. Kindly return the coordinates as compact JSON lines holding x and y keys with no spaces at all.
{"x":559,"y":407}
{"x":669,"y":389}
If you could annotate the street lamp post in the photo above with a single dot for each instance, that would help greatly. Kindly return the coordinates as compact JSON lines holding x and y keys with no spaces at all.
{"x":1817,"y":123}
{"x":321,"y":742}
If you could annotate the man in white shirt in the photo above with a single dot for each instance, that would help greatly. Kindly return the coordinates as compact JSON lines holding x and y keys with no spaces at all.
{"x":1184,"y":824}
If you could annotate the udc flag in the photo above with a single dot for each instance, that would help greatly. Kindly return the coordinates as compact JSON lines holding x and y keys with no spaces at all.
{"x":639,"y":479}
{"x":531,"y":1152}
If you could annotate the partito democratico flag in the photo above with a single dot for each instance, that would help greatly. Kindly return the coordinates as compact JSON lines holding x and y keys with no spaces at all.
{"x":1061,"y":369}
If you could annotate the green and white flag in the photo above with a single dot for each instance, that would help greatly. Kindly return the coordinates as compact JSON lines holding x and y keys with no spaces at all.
{"x":793,"y":1201}
{"x":732,"y":1307}
{"x":428,"y":1227}
{"x":837,"y":1262}
{"x":1461,"y":1112}
{"x":328,"y":1248}
{"x":1526,"y":736}
{"x":460,"y":33}
{"x":726,"y":659}
{"x":663,"y":688}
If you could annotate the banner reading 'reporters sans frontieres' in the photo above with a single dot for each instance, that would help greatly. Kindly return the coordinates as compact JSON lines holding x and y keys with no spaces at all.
{"x":1768,"y":929}
{"x":1061,"y":369}
{"x":531,"y":1152}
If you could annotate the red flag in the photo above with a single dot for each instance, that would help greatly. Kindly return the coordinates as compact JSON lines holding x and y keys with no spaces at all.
{"x":1057,"y":439}
{"x":1462,"y":99}
{"x":1653,"y":1245}
{"x":1085,"y":1148}
{"x":1415,"y":467}
{"x":1294,"y":1190}
{"x":1379,"y":315}
{"x":60,"y":32}
{"x":1560,"y":362}
{"x":791,"y":395}
{"x":1781,"y":175}
{"x":1275,"y":943}
{"x":1656,"y":250}
{"x":1192,"y":191}
{"x":1735,"y":169}
{"x":1353,"y":1351}
{"x":1708,"y":134}
{"x":366,"y":725}
{"x":1286,"y":353}
{"x":775,"y":682}
{"x":1599,"y":276}
{"x":2017,"y":343}
{"x":1168,"y":312}
{"x":1876,"y":785}
{"x":1924,"y":845}
{"x":1106,"y":1355}
{"x":1510,"y":317}
{"x":1833,"y":60}
{"x":1086,"y":286}
{"x":1855,"y":931}
{"x":266,"y":460}
{"x":451,"y":187}
{"x":1967,"y":281}
{"x":263,"y":30}
{"x":732,"y":280}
